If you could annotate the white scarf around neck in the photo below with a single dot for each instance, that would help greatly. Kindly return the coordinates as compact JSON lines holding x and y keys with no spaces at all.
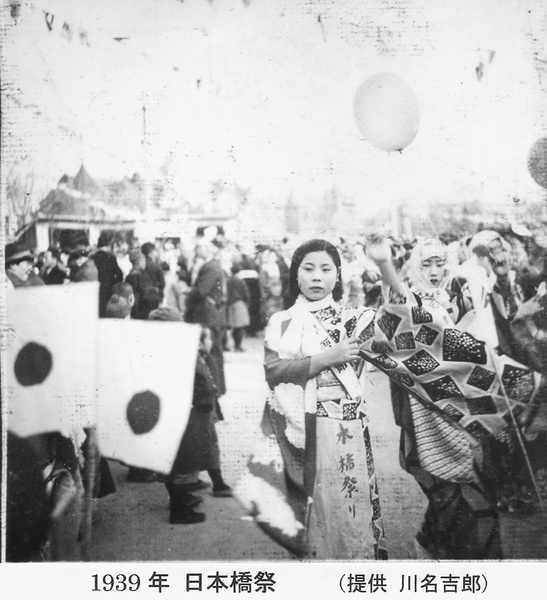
{"x":314,"y":305}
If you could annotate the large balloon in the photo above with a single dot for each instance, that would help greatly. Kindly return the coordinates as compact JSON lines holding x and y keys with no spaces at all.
{"x":537,"y":162}
{"x":387,"y":111}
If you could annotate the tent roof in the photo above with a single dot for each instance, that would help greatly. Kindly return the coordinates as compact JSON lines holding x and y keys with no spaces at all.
{"x":83,"y":182}
{"x":58,"y":202}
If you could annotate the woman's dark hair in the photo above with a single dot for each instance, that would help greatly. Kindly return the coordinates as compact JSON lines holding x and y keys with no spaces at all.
{"x":147,"y":248}
{"x":300,"y":253}
{"x":55,"y":252}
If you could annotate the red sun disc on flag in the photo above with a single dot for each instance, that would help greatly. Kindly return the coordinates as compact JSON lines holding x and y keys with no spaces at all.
{"x":33,"y":364}
{"x":143,"y":412}
{"x":537,"y":162}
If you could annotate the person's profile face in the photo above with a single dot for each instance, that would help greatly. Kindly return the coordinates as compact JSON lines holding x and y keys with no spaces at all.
{"x":49,"y":259}
{"x":317,"y":275}
{"x":22,"y":269}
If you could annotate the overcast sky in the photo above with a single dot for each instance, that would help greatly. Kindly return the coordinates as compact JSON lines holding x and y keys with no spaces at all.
{"x":262,"y":95}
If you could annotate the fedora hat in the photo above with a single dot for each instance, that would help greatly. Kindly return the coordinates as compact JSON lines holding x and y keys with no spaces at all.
{"x":16,"y":252}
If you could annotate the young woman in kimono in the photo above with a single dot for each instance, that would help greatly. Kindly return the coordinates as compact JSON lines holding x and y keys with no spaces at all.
{"x":461,"y":521}
{"x":311,"y":482}
{"x":466,"y":511}
{"x":429,"y":275}
{"x":313,"y":485}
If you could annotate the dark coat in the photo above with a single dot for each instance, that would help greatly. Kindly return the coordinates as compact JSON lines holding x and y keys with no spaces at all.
{"x":27,"y":504}
{"x":206,"y":313}
{"x":135,"y":278}
{"x":109,"y":273}
{"x":236,"y":289}
{"x":210,"y":281}
{"x":55,"y":276}
{"x":153,"y":277}
{"x":198,"y":450}
{"x":32,"y":280}
{"x":86,"y":272}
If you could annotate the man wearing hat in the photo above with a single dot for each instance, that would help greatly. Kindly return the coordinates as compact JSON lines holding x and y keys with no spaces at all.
{"x":19,"y":264}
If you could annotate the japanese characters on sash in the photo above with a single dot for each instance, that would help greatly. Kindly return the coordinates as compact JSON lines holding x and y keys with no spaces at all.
{"x":311,"y":482}
{"x":466,"y":400}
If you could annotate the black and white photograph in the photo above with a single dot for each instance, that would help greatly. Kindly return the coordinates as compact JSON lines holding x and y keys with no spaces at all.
{"x":274,"y":297}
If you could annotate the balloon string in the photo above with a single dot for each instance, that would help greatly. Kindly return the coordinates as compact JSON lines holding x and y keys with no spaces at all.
{"x":392,"y":204}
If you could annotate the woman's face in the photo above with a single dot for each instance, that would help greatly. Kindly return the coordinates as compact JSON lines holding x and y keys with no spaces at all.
{"x":434,"y":270}
{"x":317,"y":275}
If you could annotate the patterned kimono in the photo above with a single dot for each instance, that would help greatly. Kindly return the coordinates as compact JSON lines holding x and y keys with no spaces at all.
{"x":457,"y":402}
{"x":311,"y":482}
{"x":307,"y":480}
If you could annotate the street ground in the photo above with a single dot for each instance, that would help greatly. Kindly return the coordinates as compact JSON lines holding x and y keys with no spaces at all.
{"x":132,"y":524}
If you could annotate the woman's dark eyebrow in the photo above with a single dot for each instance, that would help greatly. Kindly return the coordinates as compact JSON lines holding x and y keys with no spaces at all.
{"x":311,"y":264}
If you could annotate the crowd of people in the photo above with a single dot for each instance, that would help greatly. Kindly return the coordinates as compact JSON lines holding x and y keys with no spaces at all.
{"x":325,"y":308}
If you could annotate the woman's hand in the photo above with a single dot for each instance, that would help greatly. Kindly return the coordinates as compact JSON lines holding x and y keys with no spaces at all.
{"x":345,"y":351}
{"x":378,"y":247}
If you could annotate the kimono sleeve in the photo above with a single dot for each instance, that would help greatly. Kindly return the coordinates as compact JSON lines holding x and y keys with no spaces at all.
{"x":278,"y":367}
{"x":285,"y":370}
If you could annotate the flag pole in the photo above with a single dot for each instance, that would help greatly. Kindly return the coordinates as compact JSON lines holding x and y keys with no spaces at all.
{"x":519,"y":434}
{"x":89,"y":495}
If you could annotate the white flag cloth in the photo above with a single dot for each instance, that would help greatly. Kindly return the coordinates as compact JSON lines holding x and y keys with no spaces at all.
{"x":51,"y":344}
{"x":146,"y":382}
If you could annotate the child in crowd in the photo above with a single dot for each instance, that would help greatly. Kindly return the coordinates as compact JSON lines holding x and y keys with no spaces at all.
{"x":120,"y":302}
{"x":198,"y":449}
{"x":237,"y":300}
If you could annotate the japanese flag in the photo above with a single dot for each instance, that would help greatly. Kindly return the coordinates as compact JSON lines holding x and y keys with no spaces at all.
{"x":146,"y":382}
{"x":51,"y":343}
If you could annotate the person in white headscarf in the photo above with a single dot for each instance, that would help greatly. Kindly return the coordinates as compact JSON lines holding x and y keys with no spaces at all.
{"x":429,"y":276}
